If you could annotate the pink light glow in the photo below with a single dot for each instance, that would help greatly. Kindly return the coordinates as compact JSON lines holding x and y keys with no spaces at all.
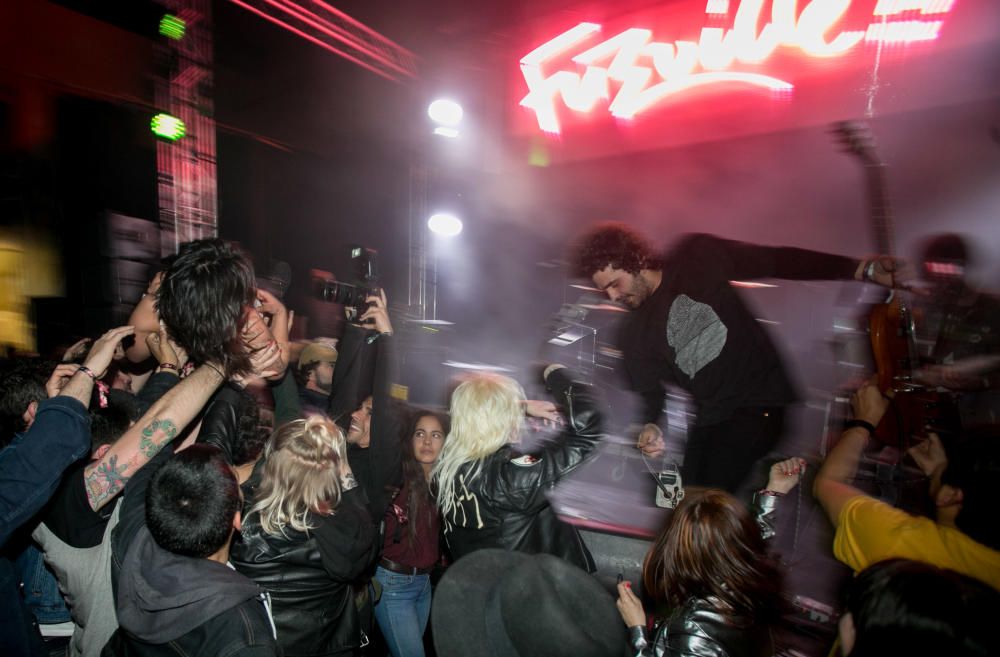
{"x":944,"y":268}
{"x":925,"y":7}
{"x":903,"y":31}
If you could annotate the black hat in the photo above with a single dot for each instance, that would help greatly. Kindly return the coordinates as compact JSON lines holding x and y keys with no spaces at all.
{"x":497,"y":603}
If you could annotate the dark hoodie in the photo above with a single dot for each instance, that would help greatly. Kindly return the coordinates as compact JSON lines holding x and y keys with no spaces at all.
{"x":170,"y":604}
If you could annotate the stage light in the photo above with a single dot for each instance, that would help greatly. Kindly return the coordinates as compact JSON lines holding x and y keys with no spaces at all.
{"x":172,"y":27}
{"x":167,"y":127}
{"x":446,"y":132}
{"x":445,"y":112}
{"x":445,"y":224}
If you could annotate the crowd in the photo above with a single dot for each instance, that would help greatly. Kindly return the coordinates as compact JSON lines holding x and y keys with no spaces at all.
{"x":194,"y":483}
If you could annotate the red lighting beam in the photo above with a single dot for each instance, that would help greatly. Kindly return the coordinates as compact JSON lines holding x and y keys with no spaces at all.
{"x":335,"y":31}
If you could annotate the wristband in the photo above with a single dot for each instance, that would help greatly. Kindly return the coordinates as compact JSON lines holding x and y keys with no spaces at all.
{"x":167,"y":366}
{"x":868,"y":273}
{"x":89,"y":372}
{"x":770,"y":493}
{"x":867,"y":426}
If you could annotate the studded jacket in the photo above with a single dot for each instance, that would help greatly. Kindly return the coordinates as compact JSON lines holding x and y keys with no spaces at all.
{"x":506,"y":506}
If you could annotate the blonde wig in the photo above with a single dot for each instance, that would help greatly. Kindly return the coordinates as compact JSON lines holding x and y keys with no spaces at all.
{"x":486,"y":414}
{"x":301,"y":475}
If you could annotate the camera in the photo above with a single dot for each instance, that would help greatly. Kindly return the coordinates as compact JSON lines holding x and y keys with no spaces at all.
{"x":669,"y":489}
{"x":353,"y":296}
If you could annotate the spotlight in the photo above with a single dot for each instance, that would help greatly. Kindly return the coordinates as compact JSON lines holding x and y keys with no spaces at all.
{"x":445,"y":112}
{"x":445,"y":224}
{"x":167,"y":127}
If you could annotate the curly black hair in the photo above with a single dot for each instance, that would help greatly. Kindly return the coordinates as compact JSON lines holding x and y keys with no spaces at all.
{"x":614,"y":244}
{"x":202,"y":300}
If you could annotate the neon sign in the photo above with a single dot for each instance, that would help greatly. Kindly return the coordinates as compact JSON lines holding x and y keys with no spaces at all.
{"x":649,"y":71}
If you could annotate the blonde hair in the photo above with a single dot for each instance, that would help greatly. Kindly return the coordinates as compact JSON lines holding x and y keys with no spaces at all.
{"x":301,"y":475}
{"x":486,"y":414}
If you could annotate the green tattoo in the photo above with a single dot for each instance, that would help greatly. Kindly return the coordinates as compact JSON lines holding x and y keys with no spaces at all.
{"x":150,"y":447}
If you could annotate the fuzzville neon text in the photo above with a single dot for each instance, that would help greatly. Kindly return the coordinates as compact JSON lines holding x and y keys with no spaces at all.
{"x":648,"y":71}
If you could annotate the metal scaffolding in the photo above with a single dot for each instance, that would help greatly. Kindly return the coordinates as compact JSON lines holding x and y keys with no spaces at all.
{"x":186,"y":176}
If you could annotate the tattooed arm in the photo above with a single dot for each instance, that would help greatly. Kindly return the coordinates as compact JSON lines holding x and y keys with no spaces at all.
{"x":107,"y":476}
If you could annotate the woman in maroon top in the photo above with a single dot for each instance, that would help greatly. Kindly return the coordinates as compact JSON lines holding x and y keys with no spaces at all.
{"x":412,"y":527}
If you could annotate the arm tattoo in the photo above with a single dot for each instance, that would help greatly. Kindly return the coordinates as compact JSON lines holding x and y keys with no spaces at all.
{"x":105,"y":481}
{"x":107,"y":478}
{"x":149,"y":445}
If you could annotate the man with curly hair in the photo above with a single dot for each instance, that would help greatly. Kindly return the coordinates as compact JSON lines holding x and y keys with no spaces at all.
{"x":690,"y":328}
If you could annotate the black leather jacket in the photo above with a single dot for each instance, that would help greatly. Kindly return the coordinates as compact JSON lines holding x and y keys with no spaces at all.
{"x":312,"y":577}
{"x":505,"y":505}
{"x":699,"y":630}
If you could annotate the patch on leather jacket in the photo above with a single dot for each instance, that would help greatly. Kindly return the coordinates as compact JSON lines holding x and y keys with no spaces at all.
{"x":526,"y":460}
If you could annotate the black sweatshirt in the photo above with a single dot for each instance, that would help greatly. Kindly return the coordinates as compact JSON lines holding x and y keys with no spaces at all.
{"x":696,"y":332}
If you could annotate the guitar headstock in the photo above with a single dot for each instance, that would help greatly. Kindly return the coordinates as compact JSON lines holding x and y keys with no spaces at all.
{"x":856,"y":138}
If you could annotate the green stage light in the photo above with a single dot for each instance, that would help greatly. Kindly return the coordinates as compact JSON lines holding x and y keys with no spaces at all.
{"x":167,"y":127}
{"x":172,"y":27}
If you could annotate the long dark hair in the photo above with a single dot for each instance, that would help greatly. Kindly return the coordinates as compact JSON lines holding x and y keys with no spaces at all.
{"x":902,"y":607}
{"x":419,"y":501}
{"x":712,"y":548}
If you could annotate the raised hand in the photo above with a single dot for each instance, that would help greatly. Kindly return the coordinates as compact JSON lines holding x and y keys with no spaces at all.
{"x":165,"y":350}
{"x":869,"y":404}
{"x":78,"y":349}
{"x":930,"y":455}
{"x":377,"y":313}
{"x":257,"y":338}
{"x":266,"y":363}
{"x":103,"y":351}
{"x":544,"y":410}
{"x":786,"y":475}
{"x":60,"y":377}
{"x":892,"y":272}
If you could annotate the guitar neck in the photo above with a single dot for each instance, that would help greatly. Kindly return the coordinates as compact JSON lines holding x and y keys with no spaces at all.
{"x":881,"y":213}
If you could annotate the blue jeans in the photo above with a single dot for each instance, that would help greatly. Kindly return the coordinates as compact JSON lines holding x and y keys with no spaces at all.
{"x":402,"y":611}
{"x":41,"y":590}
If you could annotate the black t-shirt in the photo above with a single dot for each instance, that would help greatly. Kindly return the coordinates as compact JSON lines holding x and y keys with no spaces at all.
{"x":68,"y":514}
{"x":696,"y":332}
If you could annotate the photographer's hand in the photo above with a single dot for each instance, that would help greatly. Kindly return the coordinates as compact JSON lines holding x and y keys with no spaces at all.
{"x":377,"y":314}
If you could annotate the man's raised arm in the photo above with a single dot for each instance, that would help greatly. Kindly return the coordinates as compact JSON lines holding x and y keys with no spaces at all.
{"x":105,"y":477}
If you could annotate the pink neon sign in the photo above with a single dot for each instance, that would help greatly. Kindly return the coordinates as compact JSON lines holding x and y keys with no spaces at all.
{"x":646,"y":71}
